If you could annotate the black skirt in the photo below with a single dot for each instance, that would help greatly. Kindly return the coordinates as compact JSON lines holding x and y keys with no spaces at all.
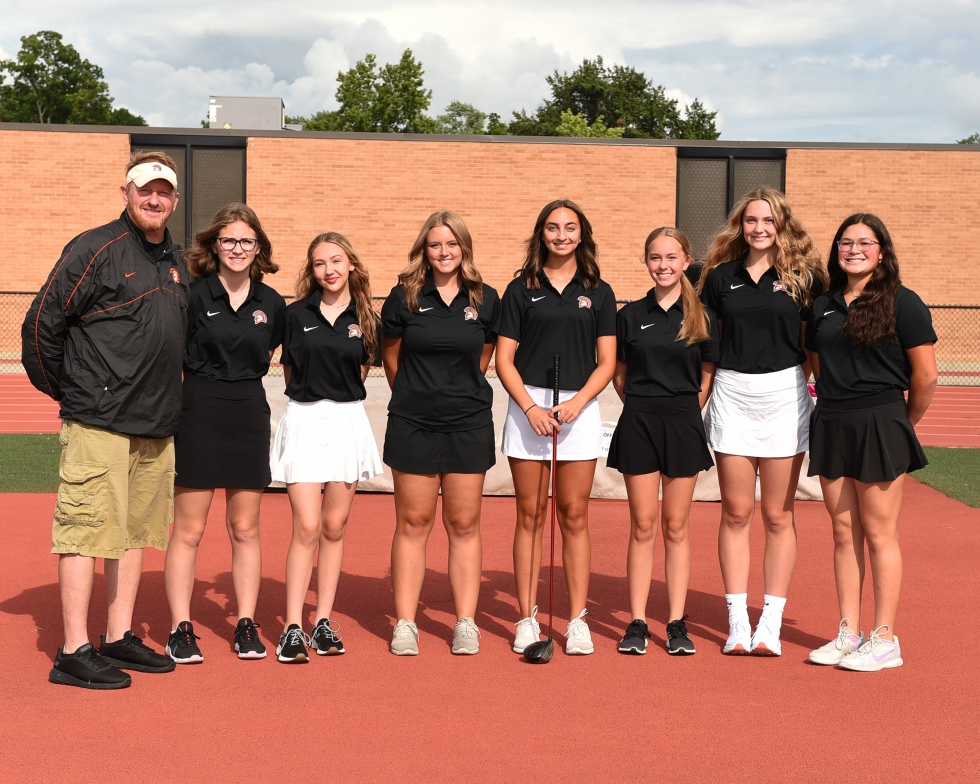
{"x":663,"y":434}
{"x":412,"y":450}
{"x":223,"y":436}
{"x":869,"y":439}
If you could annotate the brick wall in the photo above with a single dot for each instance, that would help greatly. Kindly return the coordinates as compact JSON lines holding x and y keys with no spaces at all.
{"x":379,"y":193}
{"x":54,"y":186}
{"x":929,"y":200}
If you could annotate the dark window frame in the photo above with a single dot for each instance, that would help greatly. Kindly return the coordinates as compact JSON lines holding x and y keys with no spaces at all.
{"x":731,"y":154}
{"x":150,"y":141}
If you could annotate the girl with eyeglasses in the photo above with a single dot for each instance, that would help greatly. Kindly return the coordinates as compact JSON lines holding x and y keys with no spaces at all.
{"x":872,"y":341}
{"x":234,"y":324}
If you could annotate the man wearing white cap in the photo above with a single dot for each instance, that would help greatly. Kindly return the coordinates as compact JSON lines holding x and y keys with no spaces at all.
{"x":105,"y":338}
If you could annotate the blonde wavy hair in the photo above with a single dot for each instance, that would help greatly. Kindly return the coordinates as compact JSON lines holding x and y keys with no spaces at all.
{"x":695,"y":328}
{"x":797,"y":259}
{"x":359,"y":284}
{"x":412,"y":278}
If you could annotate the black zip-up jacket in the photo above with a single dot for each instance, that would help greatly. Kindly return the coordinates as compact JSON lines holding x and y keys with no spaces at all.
{"x":105,"y":334}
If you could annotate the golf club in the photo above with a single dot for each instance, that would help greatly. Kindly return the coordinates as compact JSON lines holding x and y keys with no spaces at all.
{"x":541,"y":652}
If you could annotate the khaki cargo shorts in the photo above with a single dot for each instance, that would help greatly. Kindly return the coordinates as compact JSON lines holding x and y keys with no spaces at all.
{"x":116,"y":492}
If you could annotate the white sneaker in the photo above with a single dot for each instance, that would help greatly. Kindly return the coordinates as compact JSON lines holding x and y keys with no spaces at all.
{"x":466,"y":636}
{"x":528,"y":631}
{"x":765,"y":641}
{"x":876,"y":654}
{"x":739,"y":640}
{"x":846,"y":642}
{"x":578,"y":638}
{"x":405,"y":639}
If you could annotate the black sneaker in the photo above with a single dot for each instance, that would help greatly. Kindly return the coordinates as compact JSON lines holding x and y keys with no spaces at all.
{"x":181,"y":645}
{"x":247,"y":641}
{"x":292,"y":645}
{"x":85,"y":668}
{"x":130,"y":653}
{"x":635,"y":639}
{"x":325,"y":640}
{"x":678,"y":643}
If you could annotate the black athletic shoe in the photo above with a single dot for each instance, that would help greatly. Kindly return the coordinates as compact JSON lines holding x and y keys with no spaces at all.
{"x":86,"y":669}
{"x":325,"y":640}
{"x":247,"y":641}
{"x":181,"y":645}
{"x":292,"y":646}
{"x":130,"y":653}
{"x":635,"y":639}
{"x":678,"y":643}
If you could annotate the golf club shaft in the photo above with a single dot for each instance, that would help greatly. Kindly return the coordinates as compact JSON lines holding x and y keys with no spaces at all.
{"x":554,"y":503}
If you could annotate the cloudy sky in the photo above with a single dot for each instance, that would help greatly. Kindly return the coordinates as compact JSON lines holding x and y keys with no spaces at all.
{"x":796,"y":70}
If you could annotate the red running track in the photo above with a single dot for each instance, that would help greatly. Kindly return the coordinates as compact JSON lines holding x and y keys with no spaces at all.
{"x":370,"y":716}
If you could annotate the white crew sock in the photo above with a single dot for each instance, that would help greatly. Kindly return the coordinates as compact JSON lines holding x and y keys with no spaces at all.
{"x":738,"y":611}
{"x":772,"y":611}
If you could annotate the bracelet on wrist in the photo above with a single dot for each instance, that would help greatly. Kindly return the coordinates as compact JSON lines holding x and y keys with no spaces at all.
{"x":533,"y":405}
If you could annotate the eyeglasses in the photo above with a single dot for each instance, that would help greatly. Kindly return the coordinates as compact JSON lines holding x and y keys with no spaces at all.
{"x":248,"y":244}
{"x":846,"y":245}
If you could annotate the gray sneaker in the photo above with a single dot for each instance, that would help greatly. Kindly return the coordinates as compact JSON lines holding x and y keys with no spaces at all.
{"x":466,"y":637}
{"x":405,"y":638}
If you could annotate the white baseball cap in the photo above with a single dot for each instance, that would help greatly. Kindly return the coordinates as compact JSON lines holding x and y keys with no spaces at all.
{"x":149,"y":171}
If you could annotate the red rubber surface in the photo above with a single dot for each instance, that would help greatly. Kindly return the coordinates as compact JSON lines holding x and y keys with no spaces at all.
{"x":25,"y":410}
{"x":371,"y":716}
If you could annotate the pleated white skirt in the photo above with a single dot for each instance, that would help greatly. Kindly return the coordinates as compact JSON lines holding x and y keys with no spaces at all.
{"x":324,"y":441}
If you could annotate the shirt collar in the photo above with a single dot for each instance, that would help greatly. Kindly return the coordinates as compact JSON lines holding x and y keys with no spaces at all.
{"x":218,"y":290}
{"x":837,"y":296}
{"x":429,"y":289}
{"x":313,"y":302}
{"x":544,"y":280}
{"x":741,"y":272}
{"x":137,"y":232}
{"x":651,"y":300}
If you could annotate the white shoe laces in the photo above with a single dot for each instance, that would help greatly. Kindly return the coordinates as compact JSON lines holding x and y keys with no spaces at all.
{"x":405,"y":628}
{"x":466,"y":627}
{"x":529,"y":626}
{"x":577,"y":627}
{"x":292,"y":636}
{"x":875,"y":639}
{"x":842,"y":634}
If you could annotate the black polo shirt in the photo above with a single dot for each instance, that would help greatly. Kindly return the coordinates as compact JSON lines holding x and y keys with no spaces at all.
{"x":760,"y":323}
{"x":439,"y":385}
{"x":848,"y":371}
{"x":325,"y":359}
{"x":657,"y":363}
{"x":229,"y":345}
{"x":546,"y":323}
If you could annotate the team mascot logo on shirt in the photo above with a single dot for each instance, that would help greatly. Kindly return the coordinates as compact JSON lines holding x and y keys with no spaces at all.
{"x":260,"y":317}
{"x":175,"y":275}
{"x":584,"y":302}
{"x":469,"y":314}
{"x":354,"y":331}
{"x":778,"y":286}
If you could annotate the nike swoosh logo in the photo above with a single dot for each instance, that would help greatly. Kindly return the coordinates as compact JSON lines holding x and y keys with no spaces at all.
{"x":738,"y":286}
{"x":422,"y":310}
{"x":130,"y":274}
{"x":644,"y":326}
{"x":214,"y":314}
{"x":535,"y":299}
{"x":307,"y":329}
{"x":827,"y":313}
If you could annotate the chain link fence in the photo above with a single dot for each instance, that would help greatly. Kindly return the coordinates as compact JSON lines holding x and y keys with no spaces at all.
{"x":958,"y":350}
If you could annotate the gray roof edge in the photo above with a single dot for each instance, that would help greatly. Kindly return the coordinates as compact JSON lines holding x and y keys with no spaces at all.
{"x":485,"y":139}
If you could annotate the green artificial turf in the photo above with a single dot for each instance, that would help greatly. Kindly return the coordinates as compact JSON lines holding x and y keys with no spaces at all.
{"x":29,"y":463}
{"x":953,"y":472}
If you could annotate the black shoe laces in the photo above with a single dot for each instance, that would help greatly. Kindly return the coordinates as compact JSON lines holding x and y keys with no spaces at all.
{"x":677,"y":628}
{"x":247,"y":632}
{"x":92,"y":660}
{"x":637,"y":629}
{"x":182,"y":637}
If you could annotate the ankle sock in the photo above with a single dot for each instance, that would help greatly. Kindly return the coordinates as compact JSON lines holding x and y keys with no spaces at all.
{"x":772,"y":611}
{"x":738,"y":610}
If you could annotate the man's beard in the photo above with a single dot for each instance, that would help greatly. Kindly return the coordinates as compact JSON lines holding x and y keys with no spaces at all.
{"x":148,"y":225}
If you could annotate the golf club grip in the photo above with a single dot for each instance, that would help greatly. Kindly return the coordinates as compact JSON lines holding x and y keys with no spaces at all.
{"x":554,"y":397}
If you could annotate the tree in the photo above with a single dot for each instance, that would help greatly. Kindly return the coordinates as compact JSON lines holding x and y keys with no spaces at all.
{"x":462,"y":118}
{"x":50,"y":82}
{"x":495,"y":126}
{"x":577,"y":126}
{"x":620,"y":93}
{"x":973,"y":138}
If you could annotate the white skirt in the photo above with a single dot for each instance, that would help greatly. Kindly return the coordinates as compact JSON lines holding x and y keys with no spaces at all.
{"x":759,"y":414}
{"x":324,"y":441}
{"x":580,"y":440}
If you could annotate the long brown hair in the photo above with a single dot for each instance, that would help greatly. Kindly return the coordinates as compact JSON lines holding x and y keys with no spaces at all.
{"x":586,"y":254}
{"x":871,"y":320}
{"x":358,"y":283}
{"x":412,"y":278}
{"x":695,"y":328}
{"x":201,"y":259}
{"x":797,"y":260}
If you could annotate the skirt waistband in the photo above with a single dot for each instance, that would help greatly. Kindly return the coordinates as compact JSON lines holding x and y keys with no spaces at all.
{"x":224,"y":390}
{"x":663,"y":406}
{"x":886,"y":398}
{"x":760,"y":383}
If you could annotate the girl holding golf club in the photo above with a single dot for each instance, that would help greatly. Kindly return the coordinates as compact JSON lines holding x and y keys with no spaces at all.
{"x":556,"y":306}
{"x":324,"y":438}
{"x":762,"y":274}
{"x":440,"y":329}
{"x":667,"y":347}
{"x":872,"y":340}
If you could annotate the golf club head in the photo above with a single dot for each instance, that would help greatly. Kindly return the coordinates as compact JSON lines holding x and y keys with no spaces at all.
{"x":540,"y":652}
